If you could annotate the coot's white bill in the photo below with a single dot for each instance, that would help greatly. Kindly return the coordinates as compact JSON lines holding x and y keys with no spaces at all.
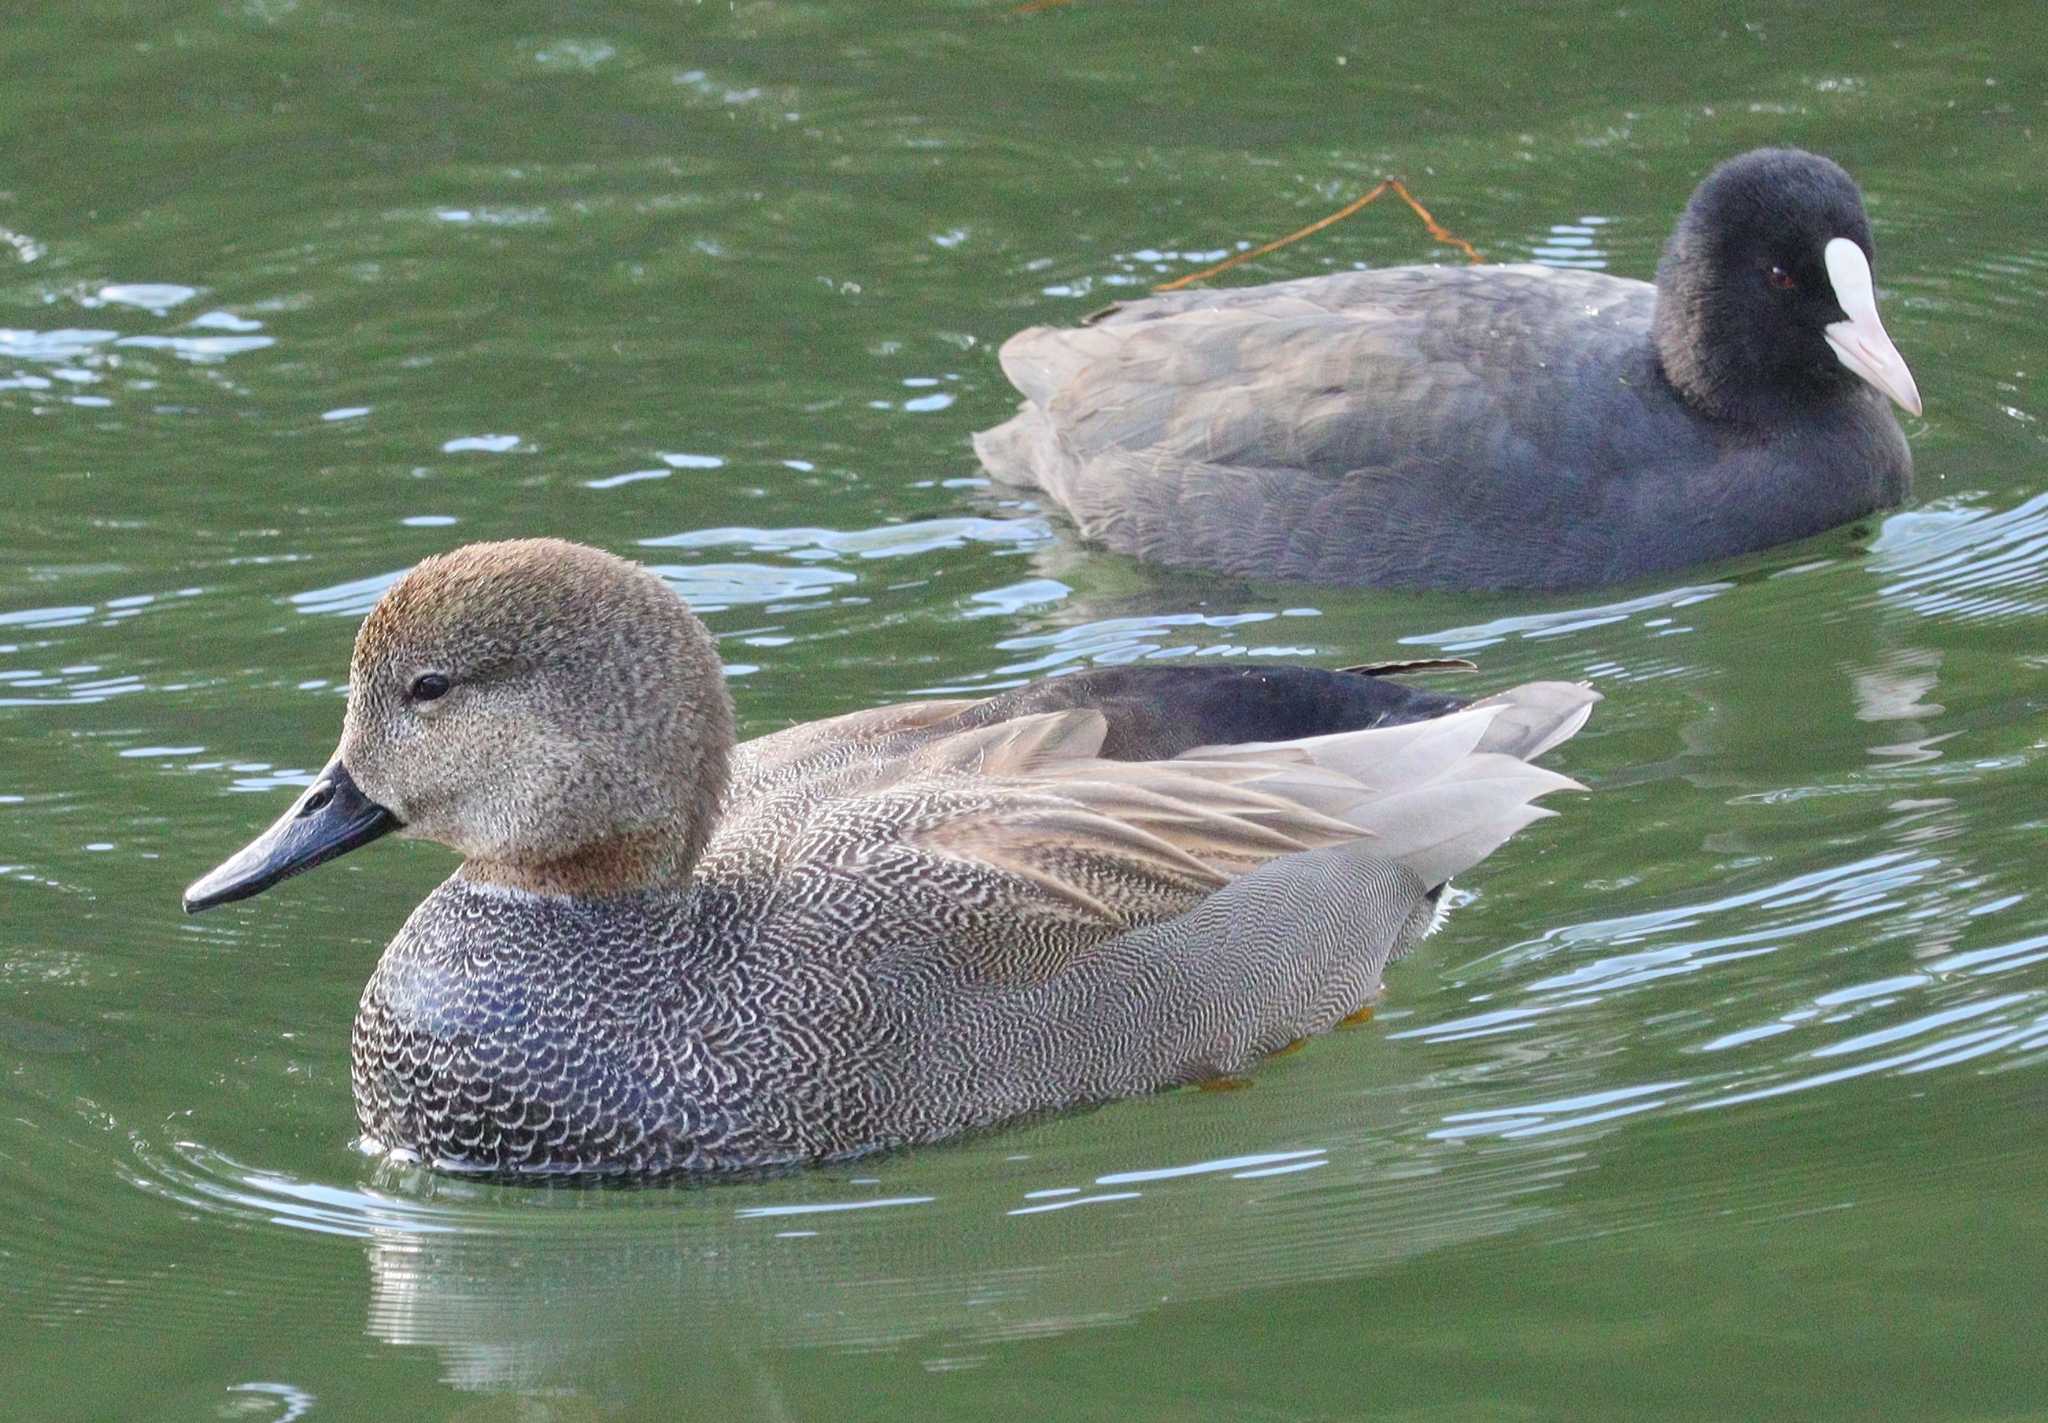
{"x":1860,"y":343}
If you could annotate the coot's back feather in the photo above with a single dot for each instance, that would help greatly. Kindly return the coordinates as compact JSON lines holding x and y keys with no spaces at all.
{"x":1474,"y":427}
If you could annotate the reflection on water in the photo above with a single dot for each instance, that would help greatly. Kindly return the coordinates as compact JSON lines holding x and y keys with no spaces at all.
{"x":516,"y":1288}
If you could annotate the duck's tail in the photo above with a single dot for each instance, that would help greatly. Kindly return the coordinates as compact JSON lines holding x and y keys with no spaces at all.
{"x":1437,"y":796}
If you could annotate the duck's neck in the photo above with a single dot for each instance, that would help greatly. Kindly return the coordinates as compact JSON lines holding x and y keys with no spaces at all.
{"x":681,"y":805}
{"x":625,"y":864}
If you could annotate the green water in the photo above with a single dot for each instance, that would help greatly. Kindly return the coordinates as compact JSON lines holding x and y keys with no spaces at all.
{"x":1721,"y":1097}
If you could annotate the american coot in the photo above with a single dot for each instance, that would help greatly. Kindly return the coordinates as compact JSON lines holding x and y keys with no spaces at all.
{"x":664,"y":951}
{"x":1488,"y":427}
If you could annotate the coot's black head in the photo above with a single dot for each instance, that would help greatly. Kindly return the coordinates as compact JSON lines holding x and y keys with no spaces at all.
{"x":1765,"y":308}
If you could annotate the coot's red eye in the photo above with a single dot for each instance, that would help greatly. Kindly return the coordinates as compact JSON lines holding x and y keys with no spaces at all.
{"x":1782,"y":279}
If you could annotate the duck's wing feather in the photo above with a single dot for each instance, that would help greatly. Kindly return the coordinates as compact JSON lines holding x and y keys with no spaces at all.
{"x":784,"y":756}
{"x":1022,"y":846}
{"x":1150,"y":713}
{"x":1156,"y":712}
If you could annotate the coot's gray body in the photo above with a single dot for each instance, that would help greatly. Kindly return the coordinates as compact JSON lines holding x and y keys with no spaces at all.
{"x":1487,"y":427}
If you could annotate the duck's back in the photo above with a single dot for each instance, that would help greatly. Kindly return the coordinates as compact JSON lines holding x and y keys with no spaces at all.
{"x":1420,"y":426}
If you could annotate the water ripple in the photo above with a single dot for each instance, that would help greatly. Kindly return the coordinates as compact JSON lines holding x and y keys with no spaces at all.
{"x":1562,"y":621}
{"x":1963,"y":562}
{"x":1118,"y":640}
{"x":1933,"y":1010}
{"x":886,"y":541}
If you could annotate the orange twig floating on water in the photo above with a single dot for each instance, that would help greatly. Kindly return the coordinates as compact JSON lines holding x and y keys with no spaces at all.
{"x":1387,"y":185}
{"x":1032,"y":7}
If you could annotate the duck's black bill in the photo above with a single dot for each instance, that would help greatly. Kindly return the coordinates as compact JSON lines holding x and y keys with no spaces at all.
{"x":331,"y":818}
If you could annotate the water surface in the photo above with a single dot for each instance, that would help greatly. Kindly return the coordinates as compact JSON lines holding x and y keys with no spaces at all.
{"x":1720,"y":1095}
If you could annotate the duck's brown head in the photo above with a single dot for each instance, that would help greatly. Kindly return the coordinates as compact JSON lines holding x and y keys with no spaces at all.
{"x":553,"y":713}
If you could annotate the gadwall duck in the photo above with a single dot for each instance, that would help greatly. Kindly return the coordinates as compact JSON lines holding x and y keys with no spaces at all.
{"x":665,"y":952}
{"x":1488,"y":427}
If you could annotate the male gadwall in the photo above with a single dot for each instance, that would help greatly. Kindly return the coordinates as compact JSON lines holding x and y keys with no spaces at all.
{"x":665,"y":952}
{"x":1488,"y":427}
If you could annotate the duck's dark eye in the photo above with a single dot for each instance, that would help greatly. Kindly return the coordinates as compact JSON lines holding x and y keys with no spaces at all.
{"x":427,"y":686}
{"x":1782,"y":279}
